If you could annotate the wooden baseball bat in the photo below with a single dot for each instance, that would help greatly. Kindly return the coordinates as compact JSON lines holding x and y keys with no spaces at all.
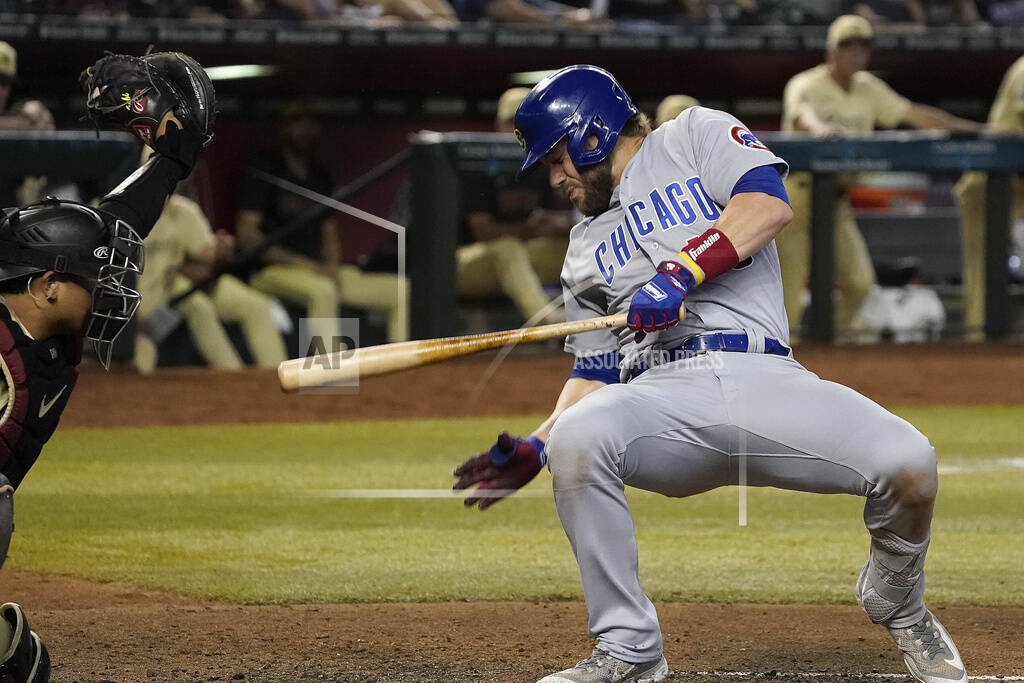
{"x":341,"y":368}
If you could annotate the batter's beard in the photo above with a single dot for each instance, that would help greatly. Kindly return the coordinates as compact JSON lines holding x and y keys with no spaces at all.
{"x":597,"y":188}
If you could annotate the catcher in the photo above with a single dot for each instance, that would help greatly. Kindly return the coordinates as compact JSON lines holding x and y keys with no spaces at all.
{"x":67,"y":274}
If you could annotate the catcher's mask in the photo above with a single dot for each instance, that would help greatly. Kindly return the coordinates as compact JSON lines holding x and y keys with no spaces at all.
{"x":74,"y":239}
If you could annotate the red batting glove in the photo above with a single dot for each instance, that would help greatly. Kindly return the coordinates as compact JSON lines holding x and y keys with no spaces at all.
{"x":510,"y":464}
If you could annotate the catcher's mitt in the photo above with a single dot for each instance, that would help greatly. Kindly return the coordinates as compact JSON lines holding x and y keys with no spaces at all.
{"x":136,"y":92}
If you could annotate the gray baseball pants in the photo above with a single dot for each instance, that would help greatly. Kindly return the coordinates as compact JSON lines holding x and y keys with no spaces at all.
{"x":680,"y":429}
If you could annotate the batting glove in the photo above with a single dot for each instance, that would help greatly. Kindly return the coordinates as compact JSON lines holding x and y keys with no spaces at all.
{"x":659,"y":304}
{"x":510,"y":464}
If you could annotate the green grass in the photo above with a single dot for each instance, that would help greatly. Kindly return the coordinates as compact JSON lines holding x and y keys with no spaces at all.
{"x":236,"y":513}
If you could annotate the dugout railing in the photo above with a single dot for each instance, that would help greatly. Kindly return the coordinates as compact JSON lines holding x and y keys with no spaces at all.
{"x":66,"y":156}
{"x":439,"y":159}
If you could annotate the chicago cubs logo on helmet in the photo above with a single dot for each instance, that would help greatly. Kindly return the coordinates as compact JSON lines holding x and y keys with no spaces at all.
{"x":744,"y":138}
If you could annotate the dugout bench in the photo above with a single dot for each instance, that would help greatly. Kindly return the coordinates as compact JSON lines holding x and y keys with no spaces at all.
{"x":438,"y":160}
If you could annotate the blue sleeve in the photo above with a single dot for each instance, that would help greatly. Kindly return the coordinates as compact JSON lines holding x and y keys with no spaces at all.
{"x":602,"y":368}
{"x":764,"y":179}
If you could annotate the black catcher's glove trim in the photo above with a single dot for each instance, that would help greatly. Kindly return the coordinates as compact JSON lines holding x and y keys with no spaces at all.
{"x":137,"y":92}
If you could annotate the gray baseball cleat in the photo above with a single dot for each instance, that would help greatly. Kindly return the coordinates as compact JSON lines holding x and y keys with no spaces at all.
{"x":929,"y":652}
{"x":601,"y":667}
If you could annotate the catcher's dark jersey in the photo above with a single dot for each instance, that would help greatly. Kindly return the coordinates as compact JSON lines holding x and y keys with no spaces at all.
{"x":38,"y":377}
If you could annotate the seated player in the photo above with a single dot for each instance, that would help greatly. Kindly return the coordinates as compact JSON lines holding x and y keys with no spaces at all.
{"x":181,"y":250}
{"x":304,"y":269}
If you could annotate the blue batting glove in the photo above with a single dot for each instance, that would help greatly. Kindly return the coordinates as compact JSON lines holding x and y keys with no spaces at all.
{"x":657,"y":305}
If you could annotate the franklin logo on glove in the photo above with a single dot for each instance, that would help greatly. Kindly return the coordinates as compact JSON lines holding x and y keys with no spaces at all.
{"x":652,"y":290}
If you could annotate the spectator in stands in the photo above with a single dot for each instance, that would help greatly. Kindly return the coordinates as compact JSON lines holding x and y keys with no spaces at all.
{"x":515,"y":232}
{"x":650,"y":14}
{"x":1006,"y":116}
{"x":919,"y":13}
{"x":1004,"y":12}
{"x":299,"y":10}
{"x":521,"y":11}
{"x":672,"y":106}
{"x":305,"y":269}
{"x":433,"y":12}
{"x":840,"y":98}
{"x":181,"y":250}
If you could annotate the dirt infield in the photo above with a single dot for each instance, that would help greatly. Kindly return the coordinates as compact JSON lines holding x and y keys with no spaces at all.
{"x":525,"y":383}
{"x":105,"y":633}
{"x":100,"y":632}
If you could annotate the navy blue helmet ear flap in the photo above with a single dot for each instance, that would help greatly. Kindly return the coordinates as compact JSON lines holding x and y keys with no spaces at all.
{"x":576,"y":102}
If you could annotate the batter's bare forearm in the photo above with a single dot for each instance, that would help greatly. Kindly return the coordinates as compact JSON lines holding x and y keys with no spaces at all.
{"x":751,"y":220}
{"x":575,"y":389}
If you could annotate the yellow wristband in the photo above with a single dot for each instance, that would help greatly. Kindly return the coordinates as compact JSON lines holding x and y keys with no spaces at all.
{"x":691,"y":265}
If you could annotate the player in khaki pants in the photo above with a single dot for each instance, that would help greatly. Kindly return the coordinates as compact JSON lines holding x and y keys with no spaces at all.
{"x":320,"y":293}
{"x":304,"y":269}
{"x":840,"y":98}
{"x":1006,"y":116}
{"x":514,"y":243}
{"x":181,"y":243}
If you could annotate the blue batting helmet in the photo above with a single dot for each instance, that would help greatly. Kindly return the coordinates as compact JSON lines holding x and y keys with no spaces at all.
{"x":577,"y":101}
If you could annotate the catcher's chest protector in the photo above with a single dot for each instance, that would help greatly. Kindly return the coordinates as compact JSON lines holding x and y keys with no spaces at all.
{"x":40,"y":376}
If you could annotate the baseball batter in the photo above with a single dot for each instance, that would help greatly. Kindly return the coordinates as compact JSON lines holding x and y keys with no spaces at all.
{"x":678,"y":403}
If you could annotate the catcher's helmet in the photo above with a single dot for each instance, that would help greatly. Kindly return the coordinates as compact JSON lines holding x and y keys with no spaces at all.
{"x":74,"y":239}
{"x":577,"y":101}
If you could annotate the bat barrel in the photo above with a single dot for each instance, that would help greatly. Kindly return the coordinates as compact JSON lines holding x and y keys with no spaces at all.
{"x":345,"y":368}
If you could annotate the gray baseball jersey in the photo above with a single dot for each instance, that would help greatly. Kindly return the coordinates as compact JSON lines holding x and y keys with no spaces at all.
{"x":674,"y":189}
{"x":693,"y":424}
